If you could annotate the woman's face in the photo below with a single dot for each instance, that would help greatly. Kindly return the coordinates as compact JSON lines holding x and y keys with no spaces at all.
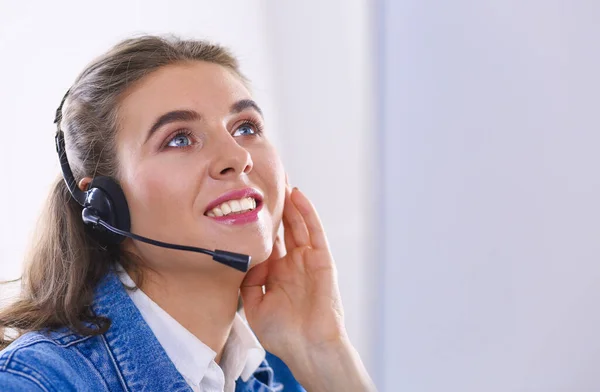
{"x":197,"y":168}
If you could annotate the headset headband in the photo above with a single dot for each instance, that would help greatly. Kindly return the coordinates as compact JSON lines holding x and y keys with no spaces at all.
{"x":68,"y":176}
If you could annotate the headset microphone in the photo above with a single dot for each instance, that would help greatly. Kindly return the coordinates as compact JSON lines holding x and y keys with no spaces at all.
{"x":235,"y":260}
{"x":105,"y":210}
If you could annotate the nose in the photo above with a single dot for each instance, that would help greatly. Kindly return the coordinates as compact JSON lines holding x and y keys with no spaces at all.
{"x":231,"y":160}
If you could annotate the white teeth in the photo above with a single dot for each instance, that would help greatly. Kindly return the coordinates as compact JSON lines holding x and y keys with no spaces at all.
{"x":246,"y":204}
{"x":233,"y":206}
{"x":226,"y":208}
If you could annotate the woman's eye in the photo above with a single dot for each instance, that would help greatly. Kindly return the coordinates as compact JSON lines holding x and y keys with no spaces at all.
{"x":244,"y":129}
{"x":181,"y":140}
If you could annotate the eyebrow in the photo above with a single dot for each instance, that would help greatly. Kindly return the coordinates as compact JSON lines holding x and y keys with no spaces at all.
{"x":173,"y":116}
{"x":244,"y":104}
{"x":192,"y":115}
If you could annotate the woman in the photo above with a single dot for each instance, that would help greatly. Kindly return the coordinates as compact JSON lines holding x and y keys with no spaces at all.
{"x":174,"y":124}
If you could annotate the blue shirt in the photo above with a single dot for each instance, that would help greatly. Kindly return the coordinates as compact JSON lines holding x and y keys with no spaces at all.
{"x":128,"y":357}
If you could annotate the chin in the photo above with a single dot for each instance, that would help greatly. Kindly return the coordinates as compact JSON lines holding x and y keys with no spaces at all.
{"x":259,"y":251}
{"x":258,"y":256}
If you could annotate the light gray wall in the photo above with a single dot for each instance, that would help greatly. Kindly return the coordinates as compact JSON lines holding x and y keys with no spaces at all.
{"x":490,"y":217}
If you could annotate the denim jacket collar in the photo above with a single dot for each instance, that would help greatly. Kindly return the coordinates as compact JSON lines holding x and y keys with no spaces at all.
{"x":134,"y":349}
{"x":127,"y":357}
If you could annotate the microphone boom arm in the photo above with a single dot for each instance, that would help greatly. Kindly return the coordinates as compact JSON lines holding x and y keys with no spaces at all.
{"x":237,"y":261}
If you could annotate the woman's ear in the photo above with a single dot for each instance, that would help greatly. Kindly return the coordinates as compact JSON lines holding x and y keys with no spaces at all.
{"x":84,"y":183}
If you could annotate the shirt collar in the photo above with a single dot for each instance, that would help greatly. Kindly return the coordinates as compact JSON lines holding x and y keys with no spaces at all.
{"x":242,"y":353}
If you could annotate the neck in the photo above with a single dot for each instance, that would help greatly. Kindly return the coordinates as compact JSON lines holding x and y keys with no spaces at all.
{"x":205,"y":304}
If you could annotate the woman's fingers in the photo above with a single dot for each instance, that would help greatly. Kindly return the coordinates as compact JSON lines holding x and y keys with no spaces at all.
{"x":252,"y":285}
{"x":296,"y":232}
{"x":258,"y":276}
{"x":311,"y":221}
{"x":279,"y":249}
{"x":290,"y":243}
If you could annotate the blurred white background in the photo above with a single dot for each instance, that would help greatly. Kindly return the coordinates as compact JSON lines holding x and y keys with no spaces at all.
{"x":450,"y":148}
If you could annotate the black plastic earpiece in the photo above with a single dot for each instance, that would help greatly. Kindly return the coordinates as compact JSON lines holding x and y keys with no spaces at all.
{"x":106,"y":199}
{"x":103,"y":198}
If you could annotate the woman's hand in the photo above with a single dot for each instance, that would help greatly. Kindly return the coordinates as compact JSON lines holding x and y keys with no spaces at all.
{"x":301,"y":306}
{"x":299,"y":317}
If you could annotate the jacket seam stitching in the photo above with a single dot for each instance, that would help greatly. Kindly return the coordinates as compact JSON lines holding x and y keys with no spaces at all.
{"x":75,"y":341}
{"x":35,"y":341}
{"x":13,"y":352}
{"x":27,"y":376}
{"x":112,"y":358}
{"x":91,"y":364}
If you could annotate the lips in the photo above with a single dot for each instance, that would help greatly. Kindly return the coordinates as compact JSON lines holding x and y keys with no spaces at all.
{"x":236,"y":202}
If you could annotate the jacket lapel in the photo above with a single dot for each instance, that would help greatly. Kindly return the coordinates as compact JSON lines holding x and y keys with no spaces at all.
{"x":140,"y":359}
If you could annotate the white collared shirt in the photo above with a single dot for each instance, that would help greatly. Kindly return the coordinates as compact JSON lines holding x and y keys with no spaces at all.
{"x":242,"y":353}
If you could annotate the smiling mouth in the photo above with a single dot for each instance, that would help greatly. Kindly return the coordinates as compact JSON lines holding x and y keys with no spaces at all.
{"x":233,"y":207}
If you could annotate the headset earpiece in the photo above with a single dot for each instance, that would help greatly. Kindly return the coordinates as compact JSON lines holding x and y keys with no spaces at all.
{"x":106,"y":200}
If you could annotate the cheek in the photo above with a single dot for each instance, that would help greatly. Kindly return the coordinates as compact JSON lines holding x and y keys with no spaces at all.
{"x":272,"y":174}
{"x":151,"y":194}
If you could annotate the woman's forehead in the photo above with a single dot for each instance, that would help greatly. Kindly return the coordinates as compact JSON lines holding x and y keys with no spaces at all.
{"x":198,"y":84}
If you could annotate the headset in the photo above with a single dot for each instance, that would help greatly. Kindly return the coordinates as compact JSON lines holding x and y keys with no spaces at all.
{"x":106,"y":212}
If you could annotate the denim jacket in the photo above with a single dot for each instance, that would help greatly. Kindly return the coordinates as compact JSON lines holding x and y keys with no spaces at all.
{"x":128,"y":357}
